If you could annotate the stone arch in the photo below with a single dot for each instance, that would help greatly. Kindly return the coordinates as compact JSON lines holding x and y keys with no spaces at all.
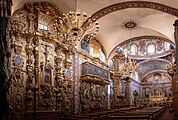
{"x":133,"y":4}
{"x":155,"y":71}
{"x":136,"y":39}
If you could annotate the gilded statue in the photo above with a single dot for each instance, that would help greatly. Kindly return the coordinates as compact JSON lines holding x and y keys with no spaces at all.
{"x":93,"y":91}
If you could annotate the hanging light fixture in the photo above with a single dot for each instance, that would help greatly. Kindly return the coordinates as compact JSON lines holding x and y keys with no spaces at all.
{"x":72,"y":25}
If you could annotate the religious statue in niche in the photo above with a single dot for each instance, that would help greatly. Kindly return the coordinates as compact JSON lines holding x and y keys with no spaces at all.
{"x":47,"y":75}
{"x":104,"y":95}
{"x":135,"y":94}
{"x":93,"y":91}
{"x":87,"y":94}
{"x":47,"y":78}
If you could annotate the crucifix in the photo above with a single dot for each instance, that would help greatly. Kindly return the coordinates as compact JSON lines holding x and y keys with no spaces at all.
{"x":46,"y":53}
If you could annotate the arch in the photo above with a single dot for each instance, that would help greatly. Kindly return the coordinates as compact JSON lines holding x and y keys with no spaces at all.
{"x":133,"y":4}
{"x":152,"y":65}
{"x":136,"y":39}
{"x":153,"y":72}
{"x":160,"y":59}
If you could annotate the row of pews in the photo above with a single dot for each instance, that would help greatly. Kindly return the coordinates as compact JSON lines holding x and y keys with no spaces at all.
{"x":149,"y":113}
{"x":131,"y":113}
{"x":140,"y":114}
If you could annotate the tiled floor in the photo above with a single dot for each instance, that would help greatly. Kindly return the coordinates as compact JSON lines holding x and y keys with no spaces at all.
{"x":167,"y":115}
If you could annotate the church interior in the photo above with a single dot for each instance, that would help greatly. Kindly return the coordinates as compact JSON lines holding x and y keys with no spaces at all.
{"x":88,"y":60}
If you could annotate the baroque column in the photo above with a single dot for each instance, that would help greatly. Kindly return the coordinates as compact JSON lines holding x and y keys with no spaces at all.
{"x":115,"y":77}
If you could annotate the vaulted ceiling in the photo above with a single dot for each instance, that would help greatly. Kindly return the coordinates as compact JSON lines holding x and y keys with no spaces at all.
{"x":149,"y":22}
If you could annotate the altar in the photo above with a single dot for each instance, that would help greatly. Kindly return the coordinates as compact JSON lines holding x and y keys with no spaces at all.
{"x":157,"y":95}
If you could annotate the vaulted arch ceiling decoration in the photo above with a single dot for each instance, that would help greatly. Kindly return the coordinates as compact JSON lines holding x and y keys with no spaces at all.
{"x":152,"y":18}
{"x":152,"y":65}
{"x":156,"y":76}
{"x":141,"y":43}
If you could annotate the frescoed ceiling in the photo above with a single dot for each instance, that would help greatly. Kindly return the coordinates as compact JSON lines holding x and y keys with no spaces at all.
{"x":152,"y":65}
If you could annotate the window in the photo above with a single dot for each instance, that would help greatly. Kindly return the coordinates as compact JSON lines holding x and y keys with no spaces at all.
{"x":42,"y":27}
{"x":84,"y":46}
{"x":166,"y":45}
{"x":151,"y":49}
{"x":101,"y":55}
{"x":91,"y":51}
{"x":133,"y":49}
{"x":111,"y":63}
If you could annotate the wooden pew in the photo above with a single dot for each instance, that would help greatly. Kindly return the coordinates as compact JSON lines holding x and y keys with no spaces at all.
{"x":153,"y":113}
{"x":130,"y":113}
{"x":46,"y":115}
{"x":130,"y":117}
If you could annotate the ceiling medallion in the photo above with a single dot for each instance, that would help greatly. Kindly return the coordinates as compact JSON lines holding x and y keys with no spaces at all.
{"x":129,"y":25}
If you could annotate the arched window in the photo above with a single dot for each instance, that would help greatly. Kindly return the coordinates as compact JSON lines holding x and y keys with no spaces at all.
{"x":101,"y":55}
{"x":166,"y":45}
{"x":133,"y":49}
{"x":151,"y":48}
{"x":84,"y":46}
{"x":91,"y":51}
{"x":111,"y":63}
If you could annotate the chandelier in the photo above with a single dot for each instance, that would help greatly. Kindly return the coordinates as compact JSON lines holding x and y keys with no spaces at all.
{"x":75,"y":25}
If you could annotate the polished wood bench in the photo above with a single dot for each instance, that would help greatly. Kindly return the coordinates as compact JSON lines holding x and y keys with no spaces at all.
{"x":130,"y":117}
{"x":153,"y":113}
{"x":148,"y":113}
{"x":53,"y":115}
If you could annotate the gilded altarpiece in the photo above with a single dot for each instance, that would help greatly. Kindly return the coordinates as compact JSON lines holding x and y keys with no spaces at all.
{"x":94,"y":83}
{"x":41,"y":63}
{"x":121,"y":84}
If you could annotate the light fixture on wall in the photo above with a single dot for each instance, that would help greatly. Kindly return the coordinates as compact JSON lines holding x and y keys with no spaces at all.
{"x":76,"y":25}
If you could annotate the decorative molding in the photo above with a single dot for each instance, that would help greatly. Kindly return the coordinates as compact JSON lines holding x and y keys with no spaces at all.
{"x":155,"y":64}
{"x":95,"y":79}
{"x":134,"y":4}
{"x":44,"y":7}
{"x":76,"y":82}
{"x":91,"y":69}
{"x":112,"y":53}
